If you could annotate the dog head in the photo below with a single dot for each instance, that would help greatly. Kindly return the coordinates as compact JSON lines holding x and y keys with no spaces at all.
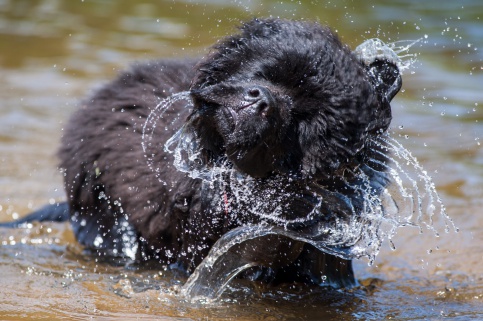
{"x":287,"y":97}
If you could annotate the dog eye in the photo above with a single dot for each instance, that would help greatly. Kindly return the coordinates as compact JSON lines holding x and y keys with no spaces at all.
{"x":261,"y":75}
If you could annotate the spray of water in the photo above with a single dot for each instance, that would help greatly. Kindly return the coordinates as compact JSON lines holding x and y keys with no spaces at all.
{"x":149,"y":144}
{"x":408,"y":198}
{"x":394,"y":189}
{"x":391,"y":190}
{"x":396,"y":52}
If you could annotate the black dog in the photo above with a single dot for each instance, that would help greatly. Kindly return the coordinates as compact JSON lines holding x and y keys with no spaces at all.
{"x":281,"y":101}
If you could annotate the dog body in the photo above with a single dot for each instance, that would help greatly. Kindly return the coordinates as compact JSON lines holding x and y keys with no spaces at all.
{"x":111,"y":190}
{"x":281,"y":101}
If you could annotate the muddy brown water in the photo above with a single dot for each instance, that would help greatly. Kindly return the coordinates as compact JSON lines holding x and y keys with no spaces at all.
{"x":54,"y":52}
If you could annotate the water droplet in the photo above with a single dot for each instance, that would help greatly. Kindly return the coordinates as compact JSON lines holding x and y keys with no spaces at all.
{"x":392,"y":245}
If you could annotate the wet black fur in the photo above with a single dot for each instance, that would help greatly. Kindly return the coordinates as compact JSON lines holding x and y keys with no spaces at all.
{"x":279,"y":98}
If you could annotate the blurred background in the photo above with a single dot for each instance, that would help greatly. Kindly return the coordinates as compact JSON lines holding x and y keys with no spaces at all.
{"x":55,"y":52}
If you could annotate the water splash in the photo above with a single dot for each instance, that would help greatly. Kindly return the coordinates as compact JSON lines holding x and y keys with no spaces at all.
{"x":395,"y":52}
{"x":408,"y":197}
{"x":391,"y":190}
{"x":184,"y":145}
{"x":149,"y":144}
{"x":418,"y":196}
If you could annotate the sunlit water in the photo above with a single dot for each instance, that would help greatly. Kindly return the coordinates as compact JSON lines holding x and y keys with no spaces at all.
{"x":53,"y":52}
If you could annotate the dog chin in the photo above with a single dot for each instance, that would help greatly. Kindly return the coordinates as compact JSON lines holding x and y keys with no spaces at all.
{"x":248,"y":141}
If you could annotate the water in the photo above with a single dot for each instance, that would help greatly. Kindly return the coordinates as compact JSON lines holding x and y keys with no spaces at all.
{"x":53,"y":52}
{"x":149,"y":148}
{"x":396,"y":52}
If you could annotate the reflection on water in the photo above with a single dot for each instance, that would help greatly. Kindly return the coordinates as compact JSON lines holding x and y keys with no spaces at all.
{"x":52,"y":52}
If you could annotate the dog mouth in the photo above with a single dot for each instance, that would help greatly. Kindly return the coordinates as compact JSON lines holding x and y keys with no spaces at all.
{"x":233,"y":113}
{"x":246,"y":105}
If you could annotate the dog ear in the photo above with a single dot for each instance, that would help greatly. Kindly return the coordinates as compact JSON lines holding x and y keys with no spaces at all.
{"x":386,"y":77}
{"x":382,"y":64}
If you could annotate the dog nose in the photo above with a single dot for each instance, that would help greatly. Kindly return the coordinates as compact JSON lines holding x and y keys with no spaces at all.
{"x":259,"y":99}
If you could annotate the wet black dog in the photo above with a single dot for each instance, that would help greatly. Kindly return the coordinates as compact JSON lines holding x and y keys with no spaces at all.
{"x":279,"y":99}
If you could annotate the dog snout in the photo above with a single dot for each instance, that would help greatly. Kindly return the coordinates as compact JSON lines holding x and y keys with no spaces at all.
{"x":259,"y":98}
